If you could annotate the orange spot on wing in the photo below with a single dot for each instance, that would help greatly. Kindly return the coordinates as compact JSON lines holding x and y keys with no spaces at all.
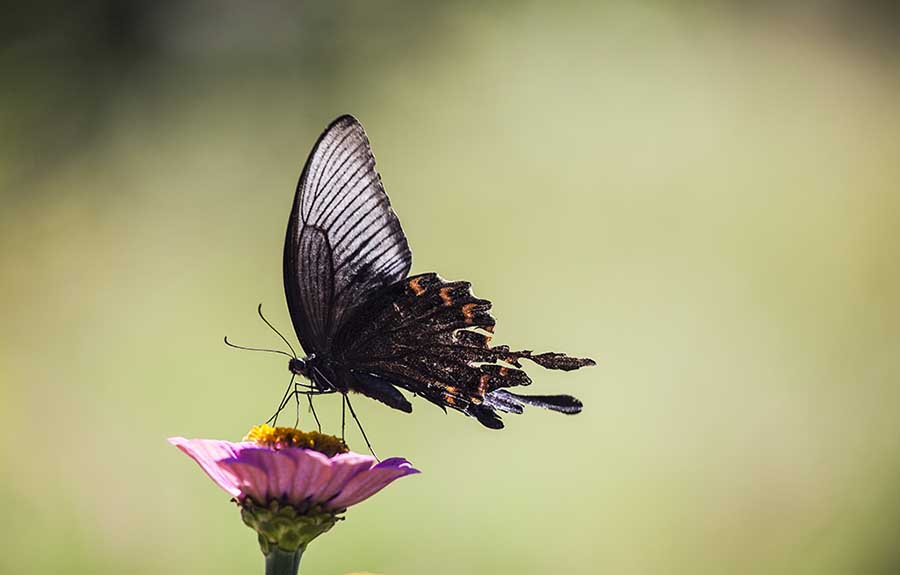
{"x":450,"y":393}
{"x":467,"y":312}
{"x":504,"y":371}
{"x":445,"y":295}
{"x":415,"y":287}
{"x":483,"y":383}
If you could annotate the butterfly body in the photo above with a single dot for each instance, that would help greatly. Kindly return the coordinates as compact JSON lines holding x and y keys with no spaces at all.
{"x":370,"y":328}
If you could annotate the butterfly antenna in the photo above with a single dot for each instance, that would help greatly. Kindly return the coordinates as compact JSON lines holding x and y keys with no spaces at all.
{"x":272,"y":327}
{"x":361,"y":430}
{"x":235,"y":346}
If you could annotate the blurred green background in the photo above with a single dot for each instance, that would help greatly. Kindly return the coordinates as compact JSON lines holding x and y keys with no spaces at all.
{"x":702,"y":196}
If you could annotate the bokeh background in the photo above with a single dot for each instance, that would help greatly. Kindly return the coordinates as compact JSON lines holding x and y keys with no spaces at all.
{"x":702,"y":196}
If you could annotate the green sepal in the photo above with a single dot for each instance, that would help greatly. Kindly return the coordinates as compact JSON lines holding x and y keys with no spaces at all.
{"x":283,"y":526}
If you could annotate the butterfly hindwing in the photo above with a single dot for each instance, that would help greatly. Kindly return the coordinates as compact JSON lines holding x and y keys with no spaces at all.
{"x":432,"y":337}
{"x":343,"y":241}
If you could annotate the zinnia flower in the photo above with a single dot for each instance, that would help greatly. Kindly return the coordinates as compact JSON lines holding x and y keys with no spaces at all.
{"x":291,"y":486}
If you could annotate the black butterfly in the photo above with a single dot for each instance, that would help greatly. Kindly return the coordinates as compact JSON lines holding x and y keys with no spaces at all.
{"x":369,"y":328}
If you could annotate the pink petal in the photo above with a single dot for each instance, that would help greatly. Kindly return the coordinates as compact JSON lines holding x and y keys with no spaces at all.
{"x":278,"y":468}
{"x":344,"y":467}
{"x":207,"y":453}
{"x":248,"y":470}
{"x":251,"y":480}
{"x":368,"y":483}
{"x":313,"y":471}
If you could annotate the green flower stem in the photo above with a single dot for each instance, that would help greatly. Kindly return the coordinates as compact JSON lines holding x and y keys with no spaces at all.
{"x":284,"y":531}
{"x":280,"y":562}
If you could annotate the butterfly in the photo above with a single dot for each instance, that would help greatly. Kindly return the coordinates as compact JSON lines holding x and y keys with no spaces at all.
{"x":370,"y":328}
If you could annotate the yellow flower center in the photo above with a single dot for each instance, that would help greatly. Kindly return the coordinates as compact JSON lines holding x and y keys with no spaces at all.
{"x":281,"y":437}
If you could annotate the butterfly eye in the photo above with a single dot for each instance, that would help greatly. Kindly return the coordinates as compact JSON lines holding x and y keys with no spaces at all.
{"x":298,"y":366}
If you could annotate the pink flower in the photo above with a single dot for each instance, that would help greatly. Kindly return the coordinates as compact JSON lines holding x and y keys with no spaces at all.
{"x":299,"y":477}
{"x":291,"y":486}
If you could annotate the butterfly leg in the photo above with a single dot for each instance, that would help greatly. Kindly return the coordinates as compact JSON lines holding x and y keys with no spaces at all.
{"x":343,"y":416}
{"x":359,"y":425}
{"x":287,"y":392}
{"x":313,"y":410}
{"x":296,"y":395}
{"x":308,"y":391}
{"x":297,"y":388}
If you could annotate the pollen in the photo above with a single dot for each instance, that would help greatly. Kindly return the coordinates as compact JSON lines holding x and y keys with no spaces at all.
{"x":281,"y":437}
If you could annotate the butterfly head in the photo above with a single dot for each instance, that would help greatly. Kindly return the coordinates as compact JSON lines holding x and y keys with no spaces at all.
{"x":299,"y":366}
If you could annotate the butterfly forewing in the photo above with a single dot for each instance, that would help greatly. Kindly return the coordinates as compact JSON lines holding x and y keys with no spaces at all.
{"x":344,"y":240}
